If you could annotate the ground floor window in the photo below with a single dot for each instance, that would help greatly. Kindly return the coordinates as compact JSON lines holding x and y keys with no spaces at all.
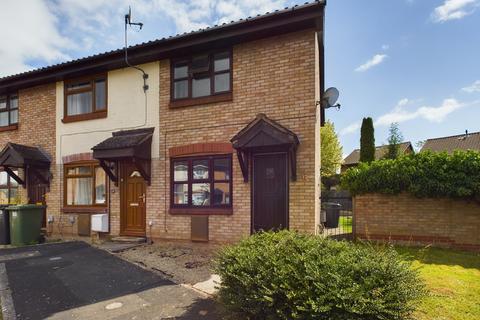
{"x":8,"y":188}
{"x":202,"y":182}
{"x":85,"y":185}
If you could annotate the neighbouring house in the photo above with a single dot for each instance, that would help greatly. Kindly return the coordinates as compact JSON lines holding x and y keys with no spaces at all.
{"x":353,"y":159}
{"x":466,"y":141}
{"x":223,"y":142}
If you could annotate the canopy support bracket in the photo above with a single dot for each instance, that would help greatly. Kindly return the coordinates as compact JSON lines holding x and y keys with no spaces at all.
{"x":15,"y":177}
{"x":111,"y":170}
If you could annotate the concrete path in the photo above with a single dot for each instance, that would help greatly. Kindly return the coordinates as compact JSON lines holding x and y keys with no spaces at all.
{"x":76,"y":281}
{"x":166,"y":302}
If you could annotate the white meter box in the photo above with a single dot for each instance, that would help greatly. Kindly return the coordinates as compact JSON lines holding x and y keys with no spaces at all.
{"x":100,"y":222}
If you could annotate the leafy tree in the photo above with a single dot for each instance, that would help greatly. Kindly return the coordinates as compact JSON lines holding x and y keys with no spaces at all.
{"x":367,"y":141}
{"x":395,"y":137}
{"x":331,"y":150}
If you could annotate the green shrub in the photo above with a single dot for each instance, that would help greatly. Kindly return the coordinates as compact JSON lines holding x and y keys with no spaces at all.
{"x":286,"y":275}
{"x":424,"y":175}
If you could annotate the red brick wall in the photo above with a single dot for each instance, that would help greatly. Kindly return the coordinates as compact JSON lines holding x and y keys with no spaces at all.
{"x":36,"y":127}
{"x":275,"y":76}
{"x":407,"y":219}
{"x":36,"y":119}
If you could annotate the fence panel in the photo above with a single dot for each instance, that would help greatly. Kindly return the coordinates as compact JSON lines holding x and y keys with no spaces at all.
{"x":343,"y":229}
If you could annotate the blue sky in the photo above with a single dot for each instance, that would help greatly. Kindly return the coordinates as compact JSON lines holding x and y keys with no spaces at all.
{"x":416,"y":62}
{"x":430,"y":51}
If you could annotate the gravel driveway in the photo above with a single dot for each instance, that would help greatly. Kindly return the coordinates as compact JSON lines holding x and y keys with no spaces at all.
{"x":187,"y":263}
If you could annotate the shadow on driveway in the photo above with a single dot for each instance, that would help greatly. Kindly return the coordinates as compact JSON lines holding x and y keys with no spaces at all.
{"x":72,"y":275}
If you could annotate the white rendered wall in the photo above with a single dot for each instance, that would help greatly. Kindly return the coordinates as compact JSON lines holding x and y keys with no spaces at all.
{"x":126,"y":110}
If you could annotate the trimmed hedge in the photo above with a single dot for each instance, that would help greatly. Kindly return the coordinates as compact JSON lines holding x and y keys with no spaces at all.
{"x":287,"y":275}
{"x":424,"y":174}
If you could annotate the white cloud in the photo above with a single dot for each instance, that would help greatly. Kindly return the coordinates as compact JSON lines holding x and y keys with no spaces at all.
{"x":376,"y":60}
{"x":454,"y":10}
{"x":403,"y":112}
{"x":475,"y":87}
{"x":50,"y":31}
{"x":352,"y":128}
{"x":29,"y":32}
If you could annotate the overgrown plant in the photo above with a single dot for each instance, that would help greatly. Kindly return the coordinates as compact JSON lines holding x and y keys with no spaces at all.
{"x":19,"y":199}
{"x":424,"y":174}
{"x":287,"y":275}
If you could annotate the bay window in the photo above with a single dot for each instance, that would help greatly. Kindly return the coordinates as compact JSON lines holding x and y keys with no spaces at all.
{"x":202,"y":182}
{"x":8,"y":188}
{"x":85,"y":185}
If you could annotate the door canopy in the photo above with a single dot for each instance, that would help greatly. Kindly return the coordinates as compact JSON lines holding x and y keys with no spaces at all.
{"x":265,"y":135}
{"x":127,"y":145}
{"x":32,"y":159}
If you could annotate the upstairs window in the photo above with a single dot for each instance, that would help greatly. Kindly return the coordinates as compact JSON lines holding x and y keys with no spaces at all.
{"x":86,"y":98}
{"x":202,"y":76}
{"x":8,"y":110}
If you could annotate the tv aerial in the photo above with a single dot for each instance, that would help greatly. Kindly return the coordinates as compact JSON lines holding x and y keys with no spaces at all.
{"x":128,"y":22}
{"x":330,"y":98}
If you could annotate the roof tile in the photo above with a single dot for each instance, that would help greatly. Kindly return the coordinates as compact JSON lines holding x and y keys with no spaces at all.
{"x":467,"y":141}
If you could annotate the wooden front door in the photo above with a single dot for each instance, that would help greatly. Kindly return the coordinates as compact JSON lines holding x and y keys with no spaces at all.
{"x":133,"y":202}
{"x":36,"y":192}
{"x":270,"y":192}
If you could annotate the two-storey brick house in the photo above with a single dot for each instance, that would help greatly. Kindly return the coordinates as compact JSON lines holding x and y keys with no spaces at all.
{"x":223,"y":142}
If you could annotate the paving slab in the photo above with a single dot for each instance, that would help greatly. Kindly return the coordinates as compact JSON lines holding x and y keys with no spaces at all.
{"x":209,"y":286}
{"x":116,"y":247}
{"x":20,"y":255}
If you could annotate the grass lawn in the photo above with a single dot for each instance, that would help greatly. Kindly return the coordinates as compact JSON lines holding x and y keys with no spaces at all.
{"x":453,"y":279}
{"x":345,"y":223}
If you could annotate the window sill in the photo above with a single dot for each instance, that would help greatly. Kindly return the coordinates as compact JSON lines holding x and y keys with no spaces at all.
{"x":201,"y":100}
{"x":9,"y":128}
{"x":86,"y":209}
{"x":86,"y":116}
{"x":201,"y":211}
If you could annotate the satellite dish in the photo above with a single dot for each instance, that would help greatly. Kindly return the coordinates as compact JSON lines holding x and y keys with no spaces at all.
{"x":330,"y":97}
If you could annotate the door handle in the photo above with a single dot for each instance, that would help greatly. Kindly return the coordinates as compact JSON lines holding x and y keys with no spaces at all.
{"x":143,"y":197}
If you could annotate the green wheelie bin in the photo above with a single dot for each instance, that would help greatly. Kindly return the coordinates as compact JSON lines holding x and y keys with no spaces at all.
{"x":25,"y":224}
